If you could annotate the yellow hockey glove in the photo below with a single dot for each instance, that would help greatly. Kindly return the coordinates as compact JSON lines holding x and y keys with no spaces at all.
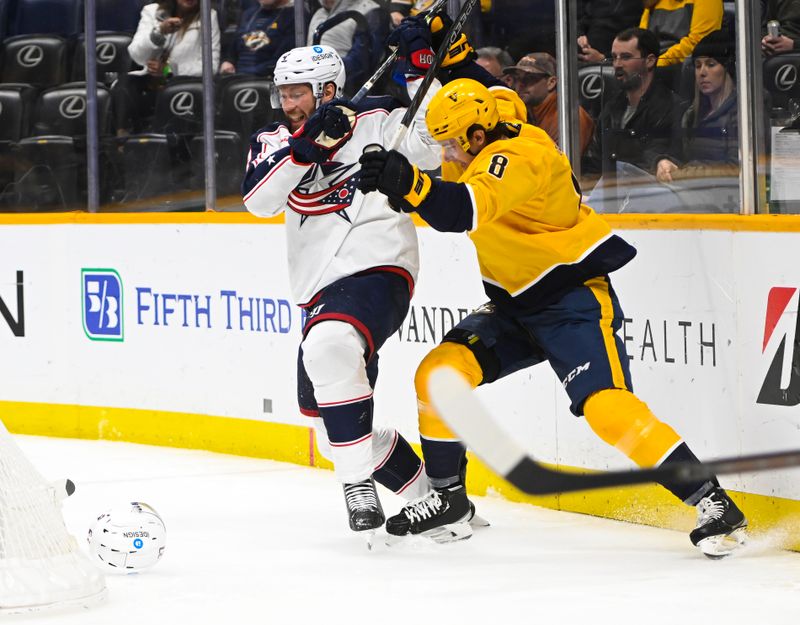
{"x":460,"y":52}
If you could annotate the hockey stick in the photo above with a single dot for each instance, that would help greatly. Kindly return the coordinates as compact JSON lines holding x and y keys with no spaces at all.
{"x":449,"y":39}
{"x":362,"y":93}
{"x":455,"y":400}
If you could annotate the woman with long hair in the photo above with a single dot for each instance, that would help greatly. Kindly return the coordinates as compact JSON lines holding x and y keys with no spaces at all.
{"x":710,"y":125}
{"x":167,"y":43}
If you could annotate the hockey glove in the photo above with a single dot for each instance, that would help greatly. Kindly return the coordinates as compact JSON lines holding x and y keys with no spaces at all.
{"x":404,"y":184}
{"x":460,"y":53}
{"x":412,"y":38}
{"x":324,"y":132}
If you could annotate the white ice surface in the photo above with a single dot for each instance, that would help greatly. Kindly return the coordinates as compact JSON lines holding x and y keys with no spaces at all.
{"x":257,"y":541}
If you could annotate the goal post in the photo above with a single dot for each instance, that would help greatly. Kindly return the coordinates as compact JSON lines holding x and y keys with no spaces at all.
{"x":41,"y":565}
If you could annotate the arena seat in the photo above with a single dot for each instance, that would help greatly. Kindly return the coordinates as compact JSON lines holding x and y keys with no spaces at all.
{"x":16,"y":103}
{"x":35,"y":59}
{"x":179,"y":107}
{"x":51,"y":168}
{"x":596,"y":83}
{"x":229,"y":162}
{"x":781,"y":78}
{"x":244,"y":106}
{"x":157,"y":161}
{"x":112,"y":56}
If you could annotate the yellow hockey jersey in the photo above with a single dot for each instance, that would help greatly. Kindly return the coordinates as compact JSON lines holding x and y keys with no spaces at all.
{"x":534,"y":237}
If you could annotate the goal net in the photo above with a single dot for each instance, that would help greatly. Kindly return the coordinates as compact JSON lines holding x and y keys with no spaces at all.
{"x":41,"y":565}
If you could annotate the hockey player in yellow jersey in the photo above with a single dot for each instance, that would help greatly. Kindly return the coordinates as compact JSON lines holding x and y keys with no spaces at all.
{"x":545,"y":259}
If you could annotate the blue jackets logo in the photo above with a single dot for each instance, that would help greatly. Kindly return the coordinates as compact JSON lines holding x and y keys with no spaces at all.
{"x":102,"y":304}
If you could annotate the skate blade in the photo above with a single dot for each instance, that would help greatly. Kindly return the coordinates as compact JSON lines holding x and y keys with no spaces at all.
{"x":718,"y":547}
{"x":426,"y":540}
{"x":369,"y":538}
{"x":449,"y":533}
{"x":478,"y":522}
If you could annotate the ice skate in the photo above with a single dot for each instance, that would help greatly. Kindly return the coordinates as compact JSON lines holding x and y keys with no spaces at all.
{"x":443,"y":515}
{"x":720,"y":525}
{"x":364,"y":508}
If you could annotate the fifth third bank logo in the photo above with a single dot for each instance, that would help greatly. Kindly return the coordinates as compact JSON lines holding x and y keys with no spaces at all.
{"x":102,"y":304}
{"x":781,"y":386}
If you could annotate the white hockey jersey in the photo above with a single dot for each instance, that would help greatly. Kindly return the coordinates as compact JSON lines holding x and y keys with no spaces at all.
{"x":333,"y":230}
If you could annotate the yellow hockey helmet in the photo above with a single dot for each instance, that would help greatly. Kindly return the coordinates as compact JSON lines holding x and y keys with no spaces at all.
{"x":510,"y":107}
{"x":459,"y":105}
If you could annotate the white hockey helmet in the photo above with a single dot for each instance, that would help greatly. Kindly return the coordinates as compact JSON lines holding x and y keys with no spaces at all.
{"x":128,"y":538}
{"x":313,"y":65}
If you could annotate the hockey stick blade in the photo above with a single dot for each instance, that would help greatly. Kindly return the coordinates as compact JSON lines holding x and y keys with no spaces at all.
{"x":456,"y":402}
{"x":370,"y":83}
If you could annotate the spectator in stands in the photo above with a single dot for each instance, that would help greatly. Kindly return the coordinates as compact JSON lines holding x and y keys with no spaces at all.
{"x":599,"y":21}
{"x":167,"y":43}
{"x":493,"y":60}
{"x":359,"y":48}
{"x":710,"y":125}
{"x":787,"y":14}
{"x":535,"y":80}
{"x":641,"y":124}
{"x":168,"y":39}
{"x":679,"y":25}
{"x":265,"y":32}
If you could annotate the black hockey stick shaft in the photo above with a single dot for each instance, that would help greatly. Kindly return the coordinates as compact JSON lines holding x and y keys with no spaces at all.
{"x":455,"y":400}
{"x":362,"y":93}
{"x":535,"y":479}
{"x":449,"y":39}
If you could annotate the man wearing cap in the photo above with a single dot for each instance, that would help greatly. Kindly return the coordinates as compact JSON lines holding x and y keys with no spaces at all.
{"x":535,"y":80}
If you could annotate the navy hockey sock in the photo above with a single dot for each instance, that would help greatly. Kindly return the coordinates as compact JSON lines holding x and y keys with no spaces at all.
{"x":445,"y":462}
{"x":688,"y":492}
{"x":400,"y":468}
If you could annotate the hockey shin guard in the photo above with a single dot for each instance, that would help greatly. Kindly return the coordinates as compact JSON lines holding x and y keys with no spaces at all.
{"x":624,"y":421}
{"x":443,"y":453}
{"x":452,"y":355}
{"x":333,"y":356}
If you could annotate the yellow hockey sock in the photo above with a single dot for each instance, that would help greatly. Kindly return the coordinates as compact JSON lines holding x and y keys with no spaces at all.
{"x":448,"y":354}
{"x":624,"y":421}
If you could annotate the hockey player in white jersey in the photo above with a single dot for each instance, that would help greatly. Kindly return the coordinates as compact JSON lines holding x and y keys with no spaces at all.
{"x":352,"y":260}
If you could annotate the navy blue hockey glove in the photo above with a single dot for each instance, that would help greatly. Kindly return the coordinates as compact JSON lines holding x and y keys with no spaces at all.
{"x":338,"y":119}
{"x":305,"y":151}
{"x":404,"y":184}
{"x":412,"y":37}
{"x":324,"y":132}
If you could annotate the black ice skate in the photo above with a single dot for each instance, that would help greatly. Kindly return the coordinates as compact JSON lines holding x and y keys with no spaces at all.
{"x":363,"y":506}
{"x":442,"y":515}
{"x":720,"y":525}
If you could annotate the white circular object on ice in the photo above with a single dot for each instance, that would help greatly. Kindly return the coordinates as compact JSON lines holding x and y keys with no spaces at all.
{"x":127,"y":539}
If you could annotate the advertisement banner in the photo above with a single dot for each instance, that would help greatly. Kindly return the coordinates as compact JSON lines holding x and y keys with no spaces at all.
{"x":198,"y":318}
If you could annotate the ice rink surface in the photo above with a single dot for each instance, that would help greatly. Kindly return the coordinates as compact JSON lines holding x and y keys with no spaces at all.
{"x":262,"y":542}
